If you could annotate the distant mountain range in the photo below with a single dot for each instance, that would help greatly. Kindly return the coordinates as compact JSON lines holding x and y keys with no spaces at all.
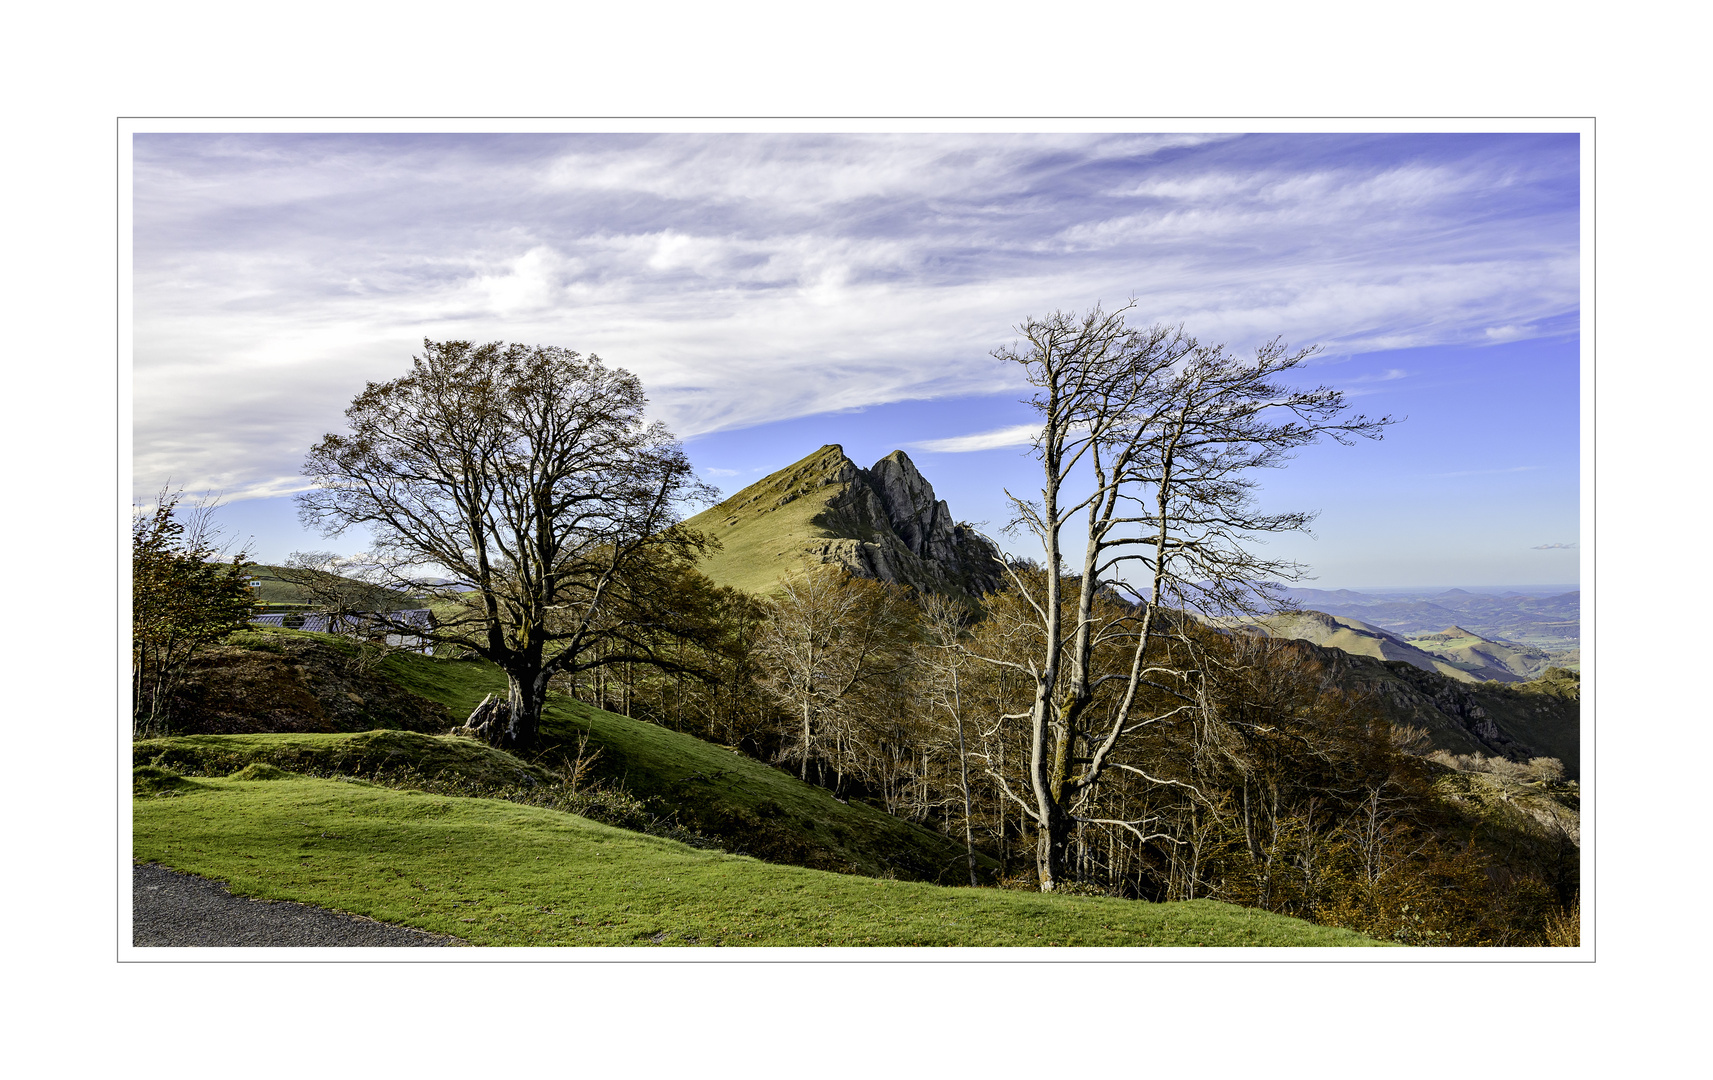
{"x":1455,"y":653}
{"x":1552,"y":623}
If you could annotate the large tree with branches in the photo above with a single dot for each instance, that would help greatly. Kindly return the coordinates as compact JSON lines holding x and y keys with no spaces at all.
{"x":1149,"y":444}
{"x":529,"y":482}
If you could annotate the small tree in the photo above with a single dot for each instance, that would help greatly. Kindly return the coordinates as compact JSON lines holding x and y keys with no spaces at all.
{"x":530,"y":477}
{"x":1149,"y":442}
{"x":182,"y":598}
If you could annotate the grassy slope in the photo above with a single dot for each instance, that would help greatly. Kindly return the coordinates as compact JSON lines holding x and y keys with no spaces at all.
{"x":1495,"y":659}
{"x":430,"y":756}
{"x":495,"y":873}
{"x":745,"y":805}
{"x":763,"y":540}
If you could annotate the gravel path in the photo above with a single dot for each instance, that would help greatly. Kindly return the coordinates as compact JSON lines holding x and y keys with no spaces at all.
{"x":174,"y":909}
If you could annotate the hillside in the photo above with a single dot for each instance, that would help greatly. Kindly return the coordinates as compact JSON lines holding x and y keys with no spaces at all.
{"x":882,"y":522}
{"x":1516,"y":721}
{"x":1488,"y":660}
{"x":269,"y":693}
{"x":1455,"y":653}
{"x":1350,"y":635}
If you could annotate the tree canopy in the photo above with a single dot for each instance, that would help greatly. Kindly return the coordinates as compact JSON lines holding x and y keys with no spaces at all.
{"x":182,"y":598}
{"x":530,"y":480}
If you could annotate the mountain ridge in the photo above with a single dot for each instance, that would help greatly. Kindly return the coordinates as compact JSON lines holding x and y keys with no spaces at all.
{"x":883,"y":522}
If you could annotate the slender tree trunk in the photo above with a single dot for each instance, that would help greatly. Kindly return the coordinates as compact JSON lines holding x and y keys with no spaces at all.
{"x":964,"y":784}
{"x":804,"y":773}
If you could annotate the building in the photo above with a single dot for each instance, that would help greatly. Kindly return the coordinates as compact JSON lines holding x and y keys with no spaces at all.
{"x":360,"y":624}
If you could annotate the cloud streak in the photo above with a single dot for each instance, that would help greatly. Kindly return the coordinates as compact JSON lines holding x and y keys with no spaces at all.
{"x":1017,"y":435}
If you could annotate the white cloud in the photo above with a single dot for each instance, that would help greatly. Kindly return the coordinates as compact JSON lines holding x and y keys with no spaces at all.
{"x":711,"y":471}
{"x":1017,"y":435}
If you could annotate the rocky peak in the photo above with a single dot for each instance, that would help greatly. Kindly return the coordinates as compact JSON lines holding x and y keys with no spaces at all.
{"x":923,"y":523}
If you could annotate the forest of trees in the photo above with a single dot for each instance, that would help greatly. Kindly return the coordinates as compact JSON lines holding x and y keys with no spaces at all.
{"x":1273,"y":789}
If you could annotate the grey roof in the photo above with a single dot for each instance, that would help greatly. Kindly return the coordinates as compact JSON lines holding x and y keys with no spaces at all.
{"x":322,"y":623}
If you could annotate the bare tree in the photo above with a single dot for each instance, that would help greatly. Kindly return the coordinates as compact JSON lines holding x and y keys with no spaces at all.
{"x":1149,"y":441}
{"x":826,"y":648}
{"x":530,"y":479}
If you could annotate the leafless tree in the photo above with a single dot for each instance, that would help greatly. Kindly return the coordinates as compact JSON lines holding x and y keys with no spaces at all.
{"x":1149,"y":443}
{"x":828,"y":646}
{"x":530,"y":480}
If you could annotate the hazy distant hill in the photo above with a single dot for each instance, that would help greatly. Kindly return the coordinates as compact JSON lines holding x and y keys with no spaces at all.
{"x":882,"y":522}
{"x":1546,"y":622}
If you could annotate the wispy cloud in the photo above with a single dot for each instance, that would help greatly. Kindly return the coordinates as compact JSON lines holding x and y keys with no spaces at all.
{"x":1498,"y":334}
{"x":711,"y":471}
{"x":748,"y":278}
{"x":1389,"y":375}
{"x":1553,"y":547}
{"x":1486,"y":472}
{"x":1017,"y":435}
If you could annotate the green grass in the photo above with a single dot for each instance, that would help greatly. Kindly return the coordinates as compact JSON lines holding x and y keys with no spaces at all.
{"x":761,"y":539}
{"x":495,"y":873}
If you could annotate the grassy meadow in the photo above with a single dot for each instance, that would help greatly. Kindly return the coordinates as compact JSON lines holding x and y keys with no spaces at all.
{"x":496,"y":873}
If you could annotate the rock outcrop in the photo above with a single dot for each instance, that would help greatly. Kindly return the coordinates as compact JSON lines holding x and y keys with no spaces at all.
{"x":887,"y":525}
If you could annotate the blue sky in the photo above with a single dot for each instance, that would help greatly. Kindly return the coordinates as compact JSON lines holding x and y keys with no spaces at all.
{"x":779,"y":292}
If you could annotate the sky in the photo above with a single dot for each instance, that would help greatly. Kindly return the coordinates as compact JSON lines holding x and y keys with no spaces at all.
{"x":779,"y":292}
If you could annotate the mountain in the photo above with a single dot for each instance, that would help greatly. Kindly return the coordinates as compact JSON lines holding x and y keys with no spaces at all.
{"x":882,"y":522}
{"x":1351,"y":635}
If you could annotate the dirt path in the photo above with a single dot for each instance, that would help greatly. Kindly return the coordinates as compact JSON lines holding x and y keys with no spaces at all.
{"x":176,"y":910}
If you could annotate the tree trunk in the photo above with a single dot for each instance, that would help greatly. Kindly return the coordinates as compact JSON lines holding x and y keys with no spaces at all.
{"x":524,"y":699}
{"x":803,"y":774}
{"x":964,"y":784}
{"x":1051,"y":840}
{"x":513,"y":723}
